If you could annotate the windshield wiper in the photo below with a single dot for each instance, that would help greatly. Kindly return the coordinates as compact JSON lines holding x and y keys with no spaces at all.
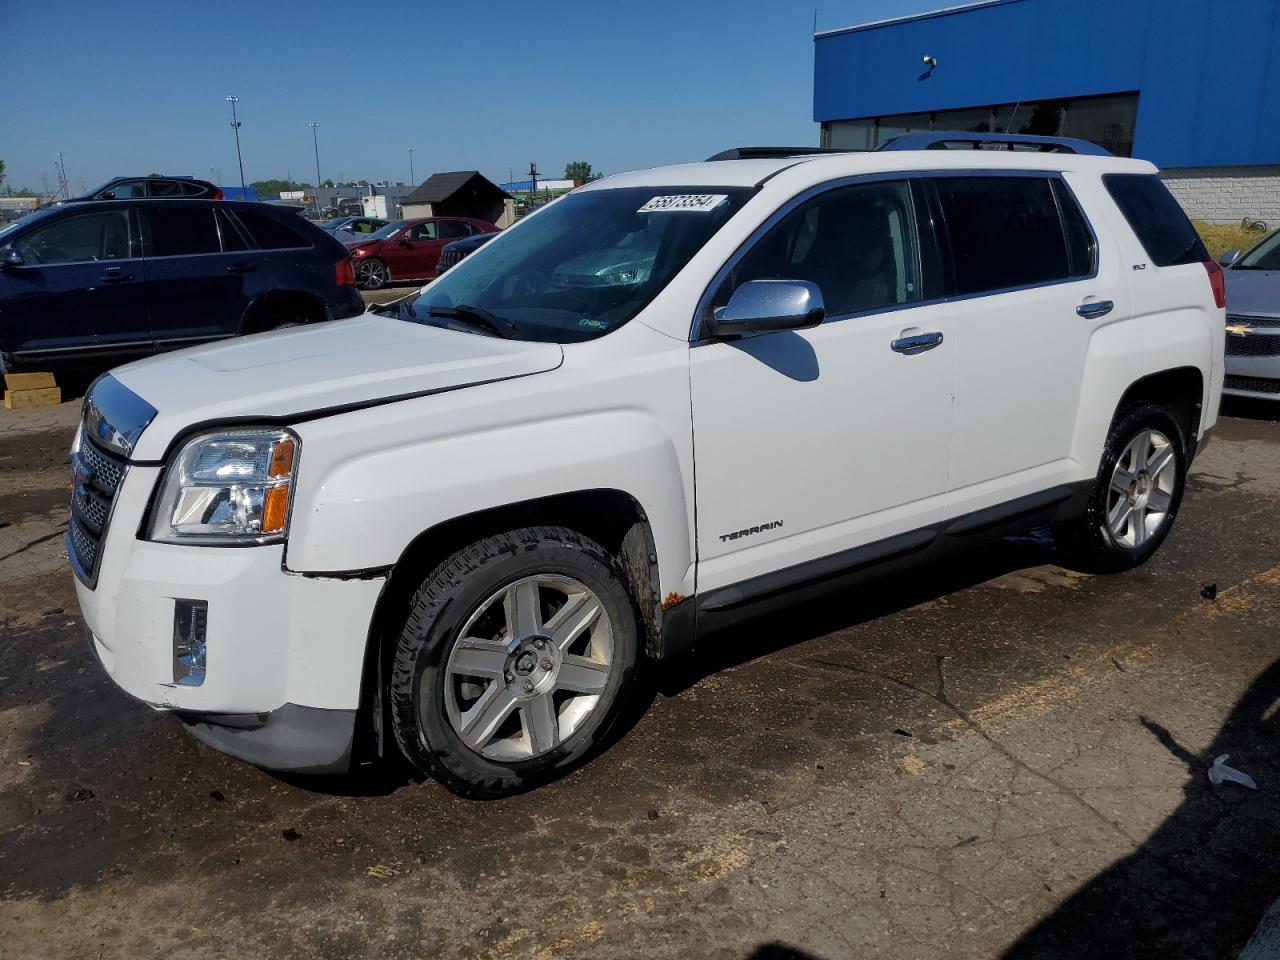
{"x":478,"y":316}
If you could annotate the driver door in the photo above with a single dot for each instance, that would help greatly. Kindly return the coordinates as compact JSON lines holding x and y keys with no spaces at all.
{"x":79,"y":290}
{"x":814,"y":442}
{"x":413,"y":254}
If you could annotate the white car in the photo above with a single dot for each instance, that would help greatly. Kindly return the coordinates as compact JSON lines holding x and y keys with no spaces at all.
{"x":665,"y":402}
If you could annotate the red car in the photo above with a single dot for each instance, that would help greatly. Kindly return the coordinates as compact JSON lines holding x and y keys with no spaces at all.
{"x":409,"y":249}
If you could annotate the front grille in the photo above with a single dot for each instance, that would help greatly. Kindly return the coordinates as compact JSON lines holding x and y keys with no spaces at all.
{"x":95,"y":478}
{"x":1253,"y":345}
{"x":449,"y":258}
{"x":1239,"y":318}
{"x":1252,"y":384}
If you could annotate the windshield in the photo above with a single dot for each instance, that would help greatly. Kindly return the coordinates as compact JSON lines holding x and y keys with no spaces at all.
{"x":581,"y":267}
{"x":391,"y":229}
{"x":1265,"y":256}
{"x":9,"y":229}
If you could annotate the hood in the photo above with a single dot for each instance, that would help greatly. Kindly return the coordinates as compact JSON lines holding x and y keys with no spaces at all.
{"x":1253,"y":293}
{"x":325,"y":367}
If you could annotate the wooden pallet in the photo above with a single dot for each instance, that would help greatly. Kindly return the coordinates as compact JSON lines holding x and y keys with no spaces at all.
{"x":30,"y":390}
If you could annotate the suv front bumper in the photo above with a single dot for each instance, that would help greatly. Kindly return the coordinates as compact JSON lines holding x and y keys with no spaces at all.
{"x":284,"y":653}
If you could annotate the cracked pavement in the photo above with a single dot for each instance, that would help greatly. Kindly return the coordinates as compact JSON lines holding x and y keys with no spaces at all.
{"x":995,"y":757}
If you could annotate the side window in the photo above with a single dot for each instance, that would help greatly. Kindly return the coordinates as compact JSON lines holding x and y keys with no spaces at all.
{"x":164,"y":188}
{"x":1166,"y":234}
{"x":453,"y":229}
{"x":425,"y":231}
{"x":269,"y":233}
{"x":182,"y":231}
{"x":1005,"y":232}
{"x":130,"y":190}
{"x":858,"y":244}
{"x":233,"y":241}
{"x":190,"y":189}
{"x":80,"y":239}
{"x":1082,"y":249}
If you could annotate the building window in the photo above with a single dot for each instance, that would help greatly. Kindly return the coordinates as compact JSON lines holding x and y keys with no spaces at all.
{"x":1108,"y":121}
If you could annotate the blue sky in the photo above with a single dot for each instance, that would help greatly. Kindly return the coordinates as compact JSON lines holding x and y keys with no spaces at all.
{"x":133,"y":86}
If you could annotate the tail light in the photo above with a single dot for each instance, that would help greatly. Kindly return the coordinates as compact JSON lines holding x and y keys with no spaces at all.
{"x":217,"y":193}
{"x":344,"y":273}
{"x":1218,"y":281}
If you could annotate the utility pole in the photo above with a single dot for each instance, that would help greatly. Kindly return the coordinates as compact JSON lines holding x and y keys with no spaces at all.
{"x":316,"y":143}
{"x":235,"y":125}
{"x":412,"y":181}
{"x":533,"y":182}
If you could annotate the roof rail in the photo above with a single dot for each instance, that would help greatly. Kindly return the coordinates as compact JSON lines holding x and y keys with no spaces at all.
{"x":770,"y":153}
{"x":962,"y":140}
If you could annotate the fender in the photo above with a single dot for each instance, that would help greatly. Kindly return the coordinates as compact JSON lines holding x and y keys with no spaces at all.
{"x":371,"y":481}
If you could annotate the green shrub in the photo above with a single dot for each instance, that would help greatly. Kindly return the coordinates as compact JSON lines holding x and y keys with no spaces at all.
{"x":1219,"y":238}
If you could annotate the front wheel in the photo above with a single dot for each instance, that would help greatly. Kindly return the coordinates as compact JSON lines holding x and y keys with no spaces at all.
{"x":513,"y":662}
{"x":1135,"y":496}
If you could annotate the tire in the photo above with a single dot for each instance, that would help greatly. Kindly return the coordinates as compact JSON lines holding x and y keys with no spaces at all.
{"x":1130,"y":511}
{"x":527,"y":697}
{"x":371,"y":274}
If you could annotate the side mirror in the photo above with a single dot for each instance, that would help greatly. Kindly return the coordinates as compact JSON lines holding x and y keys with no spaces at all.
{"x":766,"y":306}
{"x":11,"y":258}
{"x":1230,"y":257}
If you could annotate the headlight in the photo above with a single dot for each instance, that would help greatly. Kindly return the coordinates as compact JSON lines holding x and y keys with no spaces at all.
{"x":233,"y":486}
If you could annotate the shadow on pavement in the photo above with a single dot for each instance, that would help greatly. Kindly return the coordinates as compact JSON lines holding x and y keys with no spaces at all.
{"x":1201,"y":883}
{"x":779,"y":951}
{"x":805,"y":621}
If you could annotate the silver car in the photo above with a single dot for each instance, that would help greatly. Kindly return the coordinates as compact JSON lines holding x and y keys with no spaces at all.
{"x":1253,"y":320}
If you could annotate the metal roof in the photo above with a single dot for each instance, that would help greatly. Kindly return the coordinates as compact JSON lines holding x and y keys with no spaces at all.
{"x":907,"y":18}
{"x":439,"y":187}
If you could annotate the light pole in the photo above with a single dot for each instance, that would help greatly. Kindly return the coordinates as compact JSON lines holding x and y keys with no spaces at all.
{"x":235,"y":125}
{"x":316,"y":144}
{"x":412,"y":181}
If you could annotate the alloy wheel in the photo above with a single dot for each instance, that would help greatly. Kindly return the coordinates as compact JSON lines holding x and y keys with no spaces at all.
{"x":1141,"y":490}
{"x":528,"y":668}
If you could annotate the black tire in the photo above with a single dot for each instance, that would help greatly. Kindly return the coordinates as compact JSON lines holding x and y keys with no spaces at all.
{"x":372,"y":274}
{"x":1087,"y":542}
{"x":447,"y":599}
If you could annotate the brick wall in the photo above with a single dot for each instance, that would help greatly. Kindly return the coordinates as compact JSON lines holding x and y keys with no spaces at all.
{"x":1228,"y":194}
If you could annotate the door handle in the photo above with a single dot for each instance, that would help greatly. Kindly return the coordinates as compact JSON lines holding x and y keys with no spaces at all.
{"x":113,"y":275}
{"x":1095,"y":309}
{"x":241,"y":268}
{"x":916,"y":344}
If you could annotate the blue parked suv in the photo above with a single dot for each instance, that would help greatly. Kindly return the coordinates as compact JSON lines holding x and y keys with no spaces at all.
{"x":92,"y":282}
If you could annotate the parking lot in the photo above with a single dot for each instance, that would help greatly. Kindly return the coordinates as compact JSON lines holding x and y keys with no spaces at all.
{"x":995,"y":755}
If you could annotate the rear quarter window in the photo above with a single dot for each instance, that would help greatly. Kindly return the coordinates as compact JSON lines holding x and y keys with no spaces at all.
{"x":269,"y":233}
{"x":1159,"y":222}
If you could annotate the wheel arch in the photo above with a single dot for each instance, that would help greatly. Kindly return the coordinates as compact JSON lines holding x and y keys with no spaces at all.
{"x":611,"y":517}
{"x":263,"y":309}
{"x":1180,"y":390}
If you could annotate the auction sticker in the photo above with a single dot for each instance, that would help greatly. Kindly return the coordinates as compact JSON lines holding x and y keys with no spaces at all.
{"x":684,"y":202}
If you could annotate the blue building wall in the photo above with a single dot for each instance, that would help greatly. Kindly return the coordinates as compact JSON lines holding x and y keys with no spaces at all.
{"x":1207,"y":71}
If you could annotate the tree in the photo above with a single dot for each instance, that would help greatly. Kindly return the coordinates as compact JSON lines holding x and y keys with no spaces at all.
{"x":266,"y":188}
{"x":1,"y":171}
{"x":579,"y":170}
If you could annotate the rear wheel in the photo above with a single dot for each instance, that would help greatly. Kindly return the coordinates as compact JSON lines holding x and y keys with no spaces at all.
{"x":1136,"y":494}
{"x":371,"y":274}
{"x":514,"y":661}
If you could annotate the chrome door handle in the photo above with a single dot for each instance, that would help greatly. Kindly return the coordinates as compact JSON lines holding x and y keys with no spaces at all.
{"x":917,"y":344}
{"x":113,"y":275}
{"x":1095,"y":309}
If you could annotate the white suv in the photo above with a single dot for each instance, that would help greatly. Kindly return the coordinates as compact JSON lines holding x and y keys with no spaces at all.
{"x":656,"y":406}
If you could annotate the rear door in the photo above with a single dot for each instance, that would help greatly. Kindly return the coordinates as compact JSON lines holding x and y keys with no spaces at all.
{"x":1030,"y":292}
{"x":195,"y":289}
{"x":79,"y":291}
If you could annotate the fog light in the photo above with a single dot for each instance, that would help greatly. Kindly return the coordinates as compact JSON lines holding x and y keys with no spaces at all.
{"x":190,"y":621}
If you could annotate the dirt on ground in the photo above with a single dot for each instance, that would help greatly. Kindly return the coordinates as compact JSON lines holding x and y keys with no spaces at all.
{"x":995,"y":757}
